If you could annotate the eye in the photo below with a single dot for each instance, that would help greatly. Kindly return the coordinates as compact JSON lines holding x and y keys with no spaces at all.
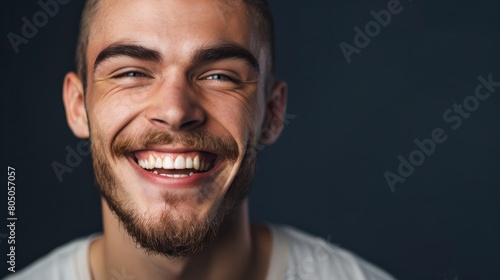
{"x":219,"y":77}
{"x":131,"y":74}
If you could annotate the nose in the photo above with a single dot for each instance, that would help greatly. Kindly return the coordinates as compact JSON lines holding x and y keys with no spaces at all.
{"x":175,"y":106}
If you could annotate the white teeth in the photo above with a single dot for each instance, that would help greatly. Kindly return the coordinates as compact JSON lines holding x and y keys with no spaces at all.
{"x":196,"y":162}
{"x":189,"y":163}
{"x":176,"y":175}
{"x":143,"y":163}
{"x":180,"y":163}
{"x":151,"y":162}
{"x":168,"y":163}
{"x":158,"y":163}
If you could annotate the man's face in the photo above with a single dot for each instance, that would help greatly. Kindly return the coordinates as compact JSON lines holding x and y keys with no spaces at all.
{"x":175,"y":105}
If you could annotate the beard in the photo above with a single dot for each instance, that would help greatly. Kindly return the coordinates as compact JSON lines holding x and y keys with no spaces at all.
{"x":168,"y":234}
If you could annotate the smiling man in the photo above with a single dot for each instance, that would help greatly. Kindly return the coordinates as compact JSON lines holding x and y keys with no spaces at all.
{"x":175,"y":96}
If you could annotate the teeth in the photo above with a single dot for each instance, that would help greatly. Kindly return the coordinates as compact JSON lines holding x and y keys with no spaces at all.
{"x":158,"y":163}
{"x":168,"y":163}
{"x":196,"y":162}
{"x":180,"y":163}
{"x":176,"y":175}
{"x":189,"y":163}
{"x":141,"y":162}
{"x":151,"y":162}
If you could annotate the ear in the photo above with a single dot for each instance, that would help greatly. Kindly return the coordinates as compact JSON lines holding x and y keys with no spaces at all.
{"x":74,"y":104}
{"x":275,"y":113}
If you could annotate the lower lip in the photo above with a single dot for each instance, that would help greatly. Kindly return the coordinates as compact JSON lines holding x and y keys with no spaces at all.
{"x":192,"y":181}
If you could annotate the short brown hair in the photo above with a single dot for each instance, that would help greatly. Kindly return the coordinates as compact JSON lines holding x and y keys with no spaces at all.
{"x":264,"y":21}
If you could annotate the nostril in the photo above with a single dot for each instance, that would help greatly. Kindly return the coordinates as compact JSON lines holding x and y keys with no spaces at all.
{"x":159,"y":121}
{"x":191,"y":124}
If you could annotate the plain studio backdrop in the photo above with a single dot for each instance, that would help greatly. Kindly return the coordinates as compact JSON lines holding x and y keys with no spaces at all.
{"x":368,"y":96}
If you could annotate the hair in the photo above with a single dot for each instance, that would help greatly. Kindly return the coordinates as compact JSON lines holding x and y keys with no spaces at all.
{"x":260,"y":8}
{"x":88,"y":15}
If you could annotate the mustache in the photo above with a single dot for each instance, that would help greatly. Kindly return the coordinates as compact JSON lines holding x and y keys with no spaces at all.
{"x":224,"y":146}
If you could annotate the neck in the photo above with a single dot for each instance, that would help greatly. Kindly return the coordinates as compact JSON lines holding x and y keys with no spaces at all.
{"x":240,"y":251}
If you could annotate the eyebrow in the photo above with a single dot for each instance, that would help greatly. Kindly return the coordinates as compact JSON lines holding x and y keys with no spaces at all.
{"x":225,"y":51}
{"x":202,"y":55}
{"x":129,"y":50}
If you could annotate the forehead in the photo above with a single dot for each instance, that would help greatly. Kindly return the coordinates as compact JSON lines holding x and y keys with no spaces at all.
{"x":172,"y":26}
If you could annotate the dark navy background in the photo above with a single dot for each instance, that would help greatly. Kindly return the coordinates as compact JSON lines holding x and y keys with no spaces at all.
{"x":347,"y":125}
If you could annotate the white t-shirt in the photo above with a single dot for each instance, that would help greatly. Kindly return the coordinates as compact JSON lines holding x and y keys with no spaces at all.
{"x":295,"y":256}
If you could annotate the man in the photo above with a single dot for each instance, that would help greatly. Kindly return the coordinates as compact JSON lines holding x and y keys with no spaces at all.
{"x":175,"y":96}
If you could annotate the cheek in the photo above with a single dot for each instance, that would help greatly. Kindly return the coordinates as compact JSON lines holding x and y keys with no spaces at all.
{"x":107,"y":116}
{"x":238,"y":114}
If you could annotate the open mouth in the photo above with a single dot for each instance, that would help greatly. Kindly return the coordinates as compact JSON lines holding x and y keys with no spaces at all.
{"x":175,"y":165}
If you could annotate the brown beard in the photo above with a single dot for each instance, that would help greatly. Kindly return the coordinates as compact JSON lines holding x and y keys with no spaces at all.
{"x":168,"y":235}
